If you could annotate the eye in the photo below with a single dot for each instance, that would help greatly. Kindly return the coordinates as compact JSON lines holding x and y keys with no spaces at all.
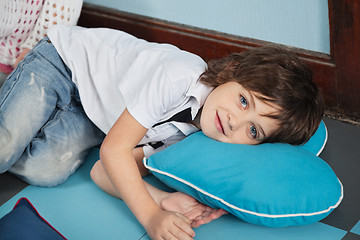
{"x":243,"y":101}
{"x":253,"y":131}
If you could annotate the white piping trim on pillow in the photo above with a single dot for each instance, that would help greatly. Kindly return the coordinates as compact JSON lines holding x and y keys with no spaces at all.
{"x":326,"y":138}
{"x":244,"y":210}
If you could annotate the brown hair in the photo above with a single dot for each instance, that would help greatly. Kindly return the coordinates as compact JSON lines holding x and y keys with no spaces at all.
{"x":275,"y":75}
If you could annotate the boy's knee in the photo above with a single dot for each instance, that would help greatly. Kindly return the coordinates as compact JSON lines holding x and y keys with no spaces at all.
{"x":44,"y":173}
{"x":41,"y":182}
{"x":5,"y":161}
{"x":7,"y":151}
{"x":43,"y":179}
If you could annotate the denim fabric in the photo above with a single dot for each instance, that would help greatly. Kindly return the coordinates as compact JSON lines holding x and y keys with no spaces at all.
{"x":45,"y":134}
{"x":3,"y":77}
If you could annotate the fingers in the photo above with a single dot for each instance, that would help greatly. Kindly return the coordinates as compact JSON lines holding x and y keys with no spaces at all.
{"x":199,"y":211}
{"x":175,"y":236}
{"x":206,"y":218}
{"x":196,"y":211}
{"x":170,"y":225}
{"x":201,"y":221}
{"x":218,"y":213}
{"x":180,"y":230}
{"x":184,"y":218}
{"x":184,"y":225}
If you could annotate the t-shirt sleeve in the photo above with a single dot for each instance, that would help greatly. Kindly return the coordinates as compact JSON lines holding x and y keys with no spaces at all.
{"x":148,"y":91}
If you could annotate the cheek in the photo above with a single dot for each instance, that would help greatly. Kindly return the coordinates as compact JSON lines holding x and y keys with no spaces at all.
{"x":205,"y":123}
{"x":241,"y":137}
{"x":245,"y":140}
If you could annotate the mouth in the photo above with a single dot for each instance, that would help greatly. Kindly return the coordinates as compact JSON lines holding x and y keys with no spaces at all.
{"x":218,"y":124}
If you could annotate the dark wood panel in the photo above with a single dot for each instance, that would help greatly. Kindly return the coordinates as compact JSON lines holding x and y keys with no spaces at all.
{"x":345,"y":52}
{"x":211,"y":44}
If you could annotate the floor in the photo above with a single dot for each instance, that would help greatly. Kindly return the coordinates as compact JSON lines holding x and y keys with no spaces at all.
{"x":341,"y":152}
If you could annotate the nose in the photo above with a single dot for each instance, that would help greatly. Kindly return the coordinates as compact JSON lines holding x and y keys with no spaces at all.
{"x":236,"y":121}
{"x":240,"y":118}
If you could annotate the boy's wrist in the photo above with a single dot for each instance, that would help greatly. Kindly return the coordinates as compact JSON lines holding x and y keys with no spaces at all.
{"x":157,"y":194}
{"x":149,"y":214}
{"x":159,"y":198}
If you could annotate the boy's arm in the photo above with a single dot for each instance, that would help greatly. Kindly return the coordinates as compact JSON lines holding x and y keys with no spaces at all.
{"x":197,"y":212}
{"x":121,"y":168}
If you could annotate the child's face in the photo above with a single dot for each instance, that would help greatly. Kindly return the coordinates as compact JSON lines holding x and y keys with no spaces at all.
{"x":232,"y":114}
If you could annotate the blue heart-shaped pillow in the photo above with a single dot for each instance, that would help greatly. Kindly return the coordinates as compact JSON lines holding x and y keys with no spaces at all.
{"x":270,"y":184}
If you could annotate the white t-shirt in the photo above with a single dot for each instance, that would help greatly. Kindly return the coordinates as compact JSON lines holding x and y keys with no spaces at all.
{"x":114,"y":70}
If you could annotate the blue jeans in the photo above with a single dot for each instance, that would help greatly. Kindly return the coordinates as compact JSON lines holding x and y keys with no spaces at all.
{"x":45,"y":134}
{"x":3,"y":76}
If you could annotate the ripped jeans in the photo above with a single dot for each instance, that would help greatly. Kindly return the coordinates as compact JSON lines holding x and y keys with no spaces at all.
{"x":45,"y":134}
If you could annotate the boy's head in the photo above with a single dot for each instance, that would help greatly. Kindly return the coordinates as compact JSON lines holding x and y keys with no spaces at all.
{"x":272,"y":77}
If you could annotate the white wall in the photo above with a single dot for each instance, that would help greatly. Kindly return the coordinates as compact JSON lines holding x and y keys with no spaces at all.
{"x":299,"y":23}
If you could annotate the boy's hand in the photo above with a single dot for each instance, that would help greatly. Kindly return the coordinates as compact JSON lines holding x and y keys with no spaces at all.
{"x":169,"y":225}
{"x":207,"y":217}
{"x":197,"y":212}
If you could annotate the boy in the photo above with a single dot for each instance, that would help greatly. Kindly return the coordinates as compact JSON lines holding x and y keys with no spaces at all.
{"x":241,"y":109}
{"x":81,"y":83}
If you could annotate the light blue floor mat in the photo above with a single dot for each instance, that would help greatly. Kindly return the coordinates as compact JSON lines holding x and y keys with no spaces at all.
{"x":80,"y":210}
{"x":356,"y":228}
